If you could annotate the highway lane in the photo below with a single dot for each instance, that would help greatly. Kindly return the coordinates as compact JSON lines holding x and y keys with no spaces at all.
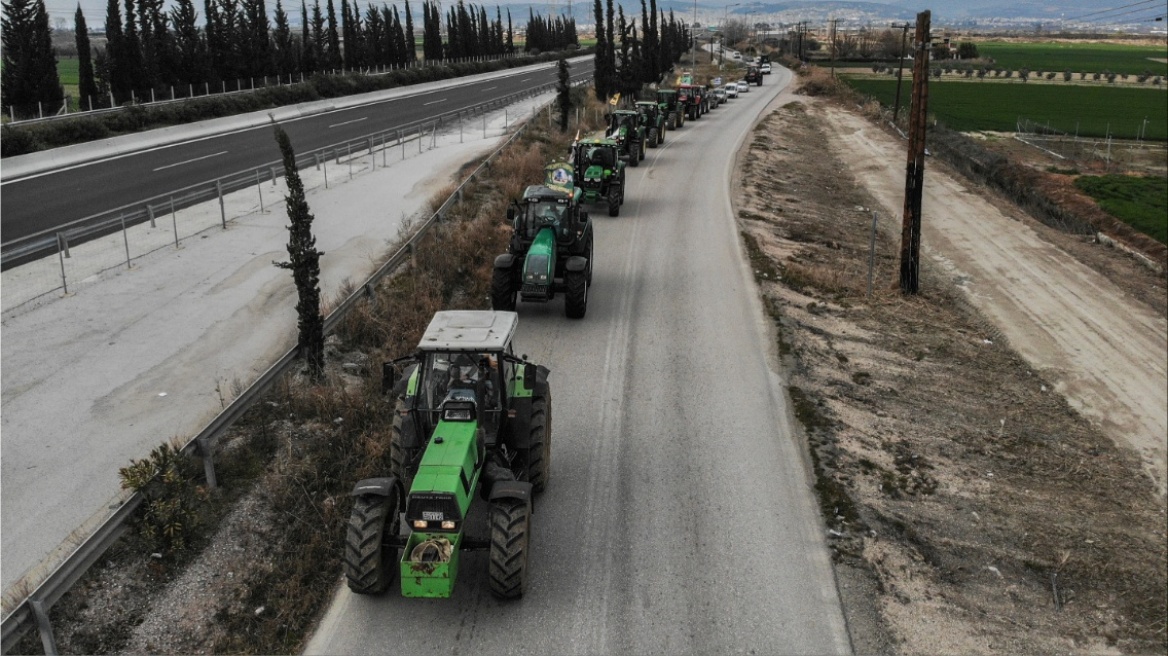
{"x":44,"y":202}
{"x":679,"y":516}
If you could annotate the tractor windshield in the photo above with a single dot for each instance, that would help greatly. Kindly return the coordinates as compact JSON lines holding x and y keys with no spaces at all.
{"x":472,"y":374}
{"x":540,"y":213}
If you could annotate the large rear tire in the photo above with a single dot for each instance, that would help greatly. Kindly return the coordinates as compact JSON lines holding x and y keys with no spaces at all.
{"x":503,"y":291}
{"x":641,"y":148}
{"x":539,"y":451}
{"x":370,"y":563}
{"x":652,"y":137}
{"x":576,"y":298}
{"x":614,"y":200}
{"x":510,"y":533}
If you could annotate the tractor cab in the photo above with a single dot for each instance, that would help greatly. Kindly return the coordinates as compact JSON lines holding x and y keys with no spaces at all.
{"x":470,"y":421}
{"x":625,"y":128}
{"x":672,"y":107}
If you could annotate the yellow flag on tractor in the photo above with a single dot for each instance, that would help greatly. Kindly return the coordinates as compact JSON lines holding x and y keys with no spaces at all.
{"x":614,"y":100}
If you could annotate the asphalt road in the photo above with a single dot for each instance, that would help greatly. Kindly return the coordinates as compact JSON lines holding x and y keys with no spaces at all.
{"x":44,"y":202}
{"x":679,"y":516}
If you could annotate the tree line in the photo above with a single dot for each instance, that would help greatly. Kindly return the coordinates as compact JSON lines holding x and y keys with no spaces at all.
{"x":644,"y":56}
{"x":149,"y":49}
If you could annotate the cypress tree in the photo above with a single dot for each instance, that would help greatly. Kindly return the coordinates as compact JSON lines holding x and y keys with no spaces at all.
{"x":303,"y":262}
{"x":510,"y":35}
{"x":564,"y":93}
{"x":334,"y":40}
{"x":284,"y":51}
{"x":599,"y":74}
{"x":29,"y":71}
{"x":411,"y":45}
{"x":87,"y":84}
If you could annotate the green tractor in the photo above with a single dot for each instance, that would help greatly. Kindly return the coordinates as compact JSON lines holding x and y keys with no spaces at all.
{"x":472,"y":420}
{"x":550,"y":249}
{"x":672,"y":107}
{"x":603,"y":167}
{"x":625,"y":128}
{"x":653,"y":120}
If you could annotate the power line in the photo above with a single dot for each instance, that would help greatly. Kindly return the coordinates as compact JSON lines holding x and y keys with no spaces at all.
{"x":1107,"y":11}
{"x":1111,"y":19}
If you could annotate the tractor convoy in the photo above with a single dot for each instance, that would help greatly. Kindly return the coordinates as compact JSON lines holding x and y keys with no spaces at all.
{"x":470,"y":444}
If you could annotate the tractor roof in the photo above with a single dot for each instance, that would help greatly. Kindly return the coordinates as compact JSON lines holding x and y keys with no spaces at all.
{"x":646,"y":103}
{"x":545,"y":192}
{"x":596,"y":141}
{"x":625,"y":112}
{"x":469,"y":330}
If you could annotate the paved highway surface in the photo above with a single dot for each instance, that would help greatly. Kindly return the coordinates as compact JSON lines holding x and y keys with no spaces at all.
{"x":46,"y":201}
{"x":679,"y":517}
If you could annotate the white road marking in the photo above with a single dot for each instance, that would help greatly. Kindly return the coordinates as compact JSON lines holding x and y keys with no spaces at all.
{"x":525,"y":79}
{"x":489,"y":88}
{"x":435,"y":102}
{"x":170,"y":166}
{"x":356,"y":120}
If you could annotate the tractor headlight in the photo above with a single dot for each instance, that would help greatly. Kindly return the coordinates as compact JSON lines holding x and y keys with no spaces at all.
{"x":449,"y":525}
{"x":458,"y":411}
{"x":421,"y":524}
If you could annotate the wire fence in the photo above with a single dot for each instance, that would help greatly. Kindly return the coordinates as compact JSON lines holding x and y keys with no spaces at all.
{"x":1081,"y":151}
{"x":63,"y":260}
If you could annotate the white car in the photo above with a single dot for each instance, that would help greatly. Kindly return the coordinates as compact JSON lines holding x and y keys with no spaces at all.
{"x":743,"y":87}
{"x":735,"y":55}
{"x":732,"y":90}
{"x":766,"y":68}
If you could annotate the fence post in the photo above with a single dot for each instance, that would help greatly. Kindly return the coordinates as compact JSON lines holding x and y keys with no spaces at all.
{"x":871,"y":254}
{"x":349,"y":154}
{"x":273,"y":171}
{"x":260,"y":191}
{"x":43,"y":625}
{"x":206,"y":454}
{"x":62,"y":253}
{"x":324,"y":163}
{"x":150,"y":211}
{"x":401,"y":138}
{"x":174,"y":221}
{"x":484,"y":125}
{"x":126,"y":240}
{"x":222,"y":209}
{"x":40,"y":110}
{"x":152,"y":95}
{"x":317,"y":157}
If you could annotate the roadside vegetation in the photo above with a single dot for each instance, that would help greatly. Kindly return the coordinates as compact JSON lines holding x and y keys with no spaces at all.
{"x":272,"y":533}
{"x":1141,"y":202}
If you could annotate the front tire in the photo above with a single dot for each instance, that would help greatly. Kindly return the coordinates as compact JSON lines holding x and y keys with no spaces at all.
{"x":641,"y":148}
{"x":510,"y":533}
{"x":576,"y":298}
{"x":539,"y":452}
{"x":634,"y":161}
{"x":370,"y":563}
{"x":653,"y":138}
{"x":614,"y":200}
{"x":503,"y":291}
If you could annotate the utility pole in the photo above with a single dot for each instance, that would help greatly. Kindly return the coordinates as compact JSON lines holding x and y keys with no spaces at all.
{"x":831,"y":37}
{"x":910,"y":237}
{"x":693,"y":61}
{"x":900,"y":71}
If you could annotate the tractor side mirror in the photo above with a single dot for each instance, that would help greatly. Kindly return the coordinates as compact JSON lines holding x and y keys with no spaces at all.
{"x":511,"y":213}
{"x":608,"y":116}
{"x":529,"y":376}
{"x":388,"y":377}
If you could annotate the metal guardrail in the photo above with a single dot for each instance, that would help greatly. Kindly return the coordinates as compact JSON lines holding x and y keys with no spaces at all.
{"x":33,"y":611}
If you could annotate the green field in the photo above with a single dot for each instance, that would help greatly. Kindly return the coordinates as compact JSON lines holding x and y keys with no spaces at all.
{"x":1076,"y":57}
{"x":1073,"y":109}
{"x":67,"y":70}
{"x":1141,"y":203}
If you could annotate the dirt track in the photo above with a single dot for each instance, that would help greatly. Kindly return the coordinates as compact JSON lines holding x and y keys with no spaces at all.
{"x":972,"y":508}
{"x":1105,"y":352}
